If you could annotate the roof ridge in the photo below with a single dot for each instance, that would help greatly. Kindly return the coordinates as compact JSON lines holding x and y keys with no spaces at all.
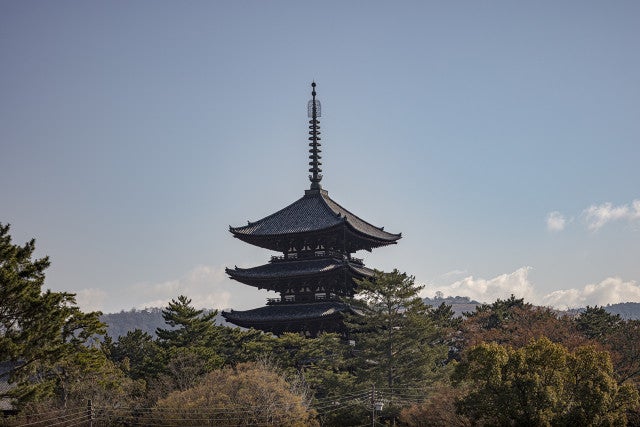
{"x":352,"y":215}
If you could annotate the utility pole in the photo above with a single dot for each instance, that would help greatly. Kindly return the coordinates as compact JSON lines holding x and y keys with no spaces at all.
{"x":373,"y":405}
{"x":90,"y":412}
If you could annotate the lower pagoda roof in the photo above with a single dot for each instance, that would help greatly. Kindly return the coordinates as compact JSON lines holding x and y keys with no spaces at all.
{"x":268,"y":275}
{"x":286,"y":314}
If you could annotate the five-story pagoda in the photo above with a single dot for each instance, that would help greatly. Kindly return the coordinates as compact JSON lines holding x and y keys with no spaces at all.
{"x":316,"y":237}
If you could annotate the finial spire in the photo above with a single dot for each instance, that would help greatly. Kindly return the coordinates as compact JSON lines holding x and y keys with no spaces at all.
{"x":313,"y":111}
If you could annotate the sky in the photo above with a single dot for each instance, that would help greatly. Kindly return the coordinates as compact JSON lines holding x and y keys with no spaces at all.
{"x":501,"y":138}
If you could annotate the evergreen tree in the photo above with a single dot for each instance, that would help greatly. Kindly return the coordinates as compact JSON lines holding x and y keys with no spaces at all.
{"x":597,"y":323}
{"x":137,"y":353}
{"x":190,"y":347}
{"x":188,"y":327}
{"x":395,"y":337}
{"x":50,"y":340}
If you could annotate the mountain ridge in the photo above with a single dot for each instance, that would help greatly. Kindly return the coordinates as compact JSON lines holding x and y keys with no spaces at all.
{"x":149,"y":319}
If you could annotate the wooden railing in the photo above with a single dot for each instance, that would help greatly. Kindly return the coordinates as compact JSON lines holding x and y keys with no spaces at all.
{"x":321,"y":297}
{"x":313,"y":255}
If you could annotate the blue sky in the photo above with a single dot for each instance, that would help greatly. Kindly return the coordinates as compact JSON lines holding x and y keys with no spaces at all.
{"x":501,"y":138}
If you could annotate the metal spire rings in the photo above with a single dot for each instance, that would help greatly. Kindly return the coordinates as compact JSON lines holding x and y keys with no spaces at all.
{"x":313,"y":111}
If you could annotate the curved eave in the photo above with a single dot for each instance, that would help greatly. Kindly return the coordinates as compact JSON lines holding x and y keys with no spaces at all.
{"x":364,"y":241}
{"x":313,"y":214}
{"x":294,"y":313}
{"x":274,"y":280}
{"x":358,"y":224}
{"x":372,"y":241}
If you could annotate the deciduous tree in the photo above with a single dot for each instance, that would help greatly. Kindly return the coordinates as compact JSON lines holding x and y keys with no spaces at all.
{"x":542,"y":384}
{"x":250,"y":394}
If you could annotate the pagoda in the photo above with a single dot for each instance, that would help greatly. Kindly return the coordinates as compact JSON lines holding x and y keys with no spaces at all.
{"x":316,"y":271}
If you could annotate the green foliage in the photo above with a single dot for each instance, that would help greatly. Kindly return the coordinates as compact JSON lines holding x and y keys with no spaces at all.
{"x":395,"y":336}
{"x":597,"y":323}
{"x":188,"y":348}
{"x":321,"y":363}
{"x":499,"y":312}
{"x":48,"y":336}
{"x":189,"y":327}
{"x":542,"y":384}
{"x":137,"y":354}
{"x":511,"y":373}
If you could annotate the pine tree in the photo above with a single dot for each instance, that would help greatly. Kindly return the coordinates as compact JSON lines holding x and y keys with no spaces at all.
{"x":188,"y":327}
{"x":46,"y":336}
{"x":191,"y":346}
{"x":395,"y":337}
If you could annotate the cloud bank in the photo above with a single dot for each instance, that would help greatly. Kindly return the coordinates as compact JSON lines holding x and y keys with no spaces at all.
{"x":488,"y":290}
{"x":597,"y":216}
{"x":201,"y":284}
{"x":611,"y":290}
{"x":207,"y":286}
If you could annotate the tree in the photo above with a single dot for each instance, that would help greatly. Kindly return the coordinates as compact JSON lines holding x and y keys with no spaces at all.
{"x":494,"y":315}
{"x":542,"y":384}
{"x":597,"y":323}
{"x":515,"y":323}
{"x":188,"y":327}
{"x":189,"y":347}
{"x":624,"y":346}
{"x":438,"y":410}
{"x":250,"y":394}
{"x":397,"y":344}
{"x":137,"y":353}
{"x":51,"y":341}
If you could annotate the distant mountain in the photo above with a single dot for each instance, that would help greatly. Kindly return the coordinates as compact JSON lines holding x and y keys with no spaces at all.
{"x":147,"y":320}
{"x":459,"y":305}
{"x":626,"y":310}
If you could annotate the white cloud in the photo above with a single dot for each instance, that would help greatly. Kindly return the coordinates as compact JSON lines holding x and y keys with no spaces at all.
{"x":489,"y":290}
{"x":202,"y":284}
{"x":90,"y":299}
{"x":611,"y":290}
{"x":453,"y":273}
{"x":596,"y":216}
{"x":555,"y":221}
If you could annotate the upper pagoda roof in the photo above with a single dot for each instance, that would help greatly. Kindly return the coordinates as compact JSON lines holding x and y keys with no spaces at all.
{"x":314,"y":212}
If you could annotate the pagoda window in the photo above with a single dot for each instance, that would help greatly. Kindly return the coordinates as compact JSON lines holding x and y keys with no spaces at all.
{"x":321,"y":296}
{"x":289,"y":298}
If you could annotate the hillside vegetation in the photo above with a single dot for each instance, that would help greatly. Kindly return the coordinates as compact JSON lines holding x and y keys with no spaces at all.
{"x":400,"y":362}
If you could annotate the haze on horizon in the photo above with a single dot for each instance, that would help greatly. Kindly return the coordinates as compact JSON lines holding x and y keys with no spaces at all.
{"x":501,"y":139}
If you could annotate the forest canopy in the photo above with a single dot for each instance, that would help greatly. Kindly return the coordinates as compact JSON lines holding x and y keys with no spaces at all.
{"x":401,"y":361}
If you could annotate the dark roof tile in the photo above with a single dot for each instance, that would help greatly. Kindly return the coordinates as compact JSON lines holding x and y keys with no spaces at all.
{"x":315,"y":211}
{"x":298,"y":268}
{"x":286,"y":312}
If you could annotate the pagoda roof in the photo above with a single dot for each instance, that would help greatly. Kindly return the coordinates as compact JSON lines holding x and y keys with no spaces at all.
{"x":297,"y":269}
{"x":286,"y":313}
{"x":313,"y":213}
